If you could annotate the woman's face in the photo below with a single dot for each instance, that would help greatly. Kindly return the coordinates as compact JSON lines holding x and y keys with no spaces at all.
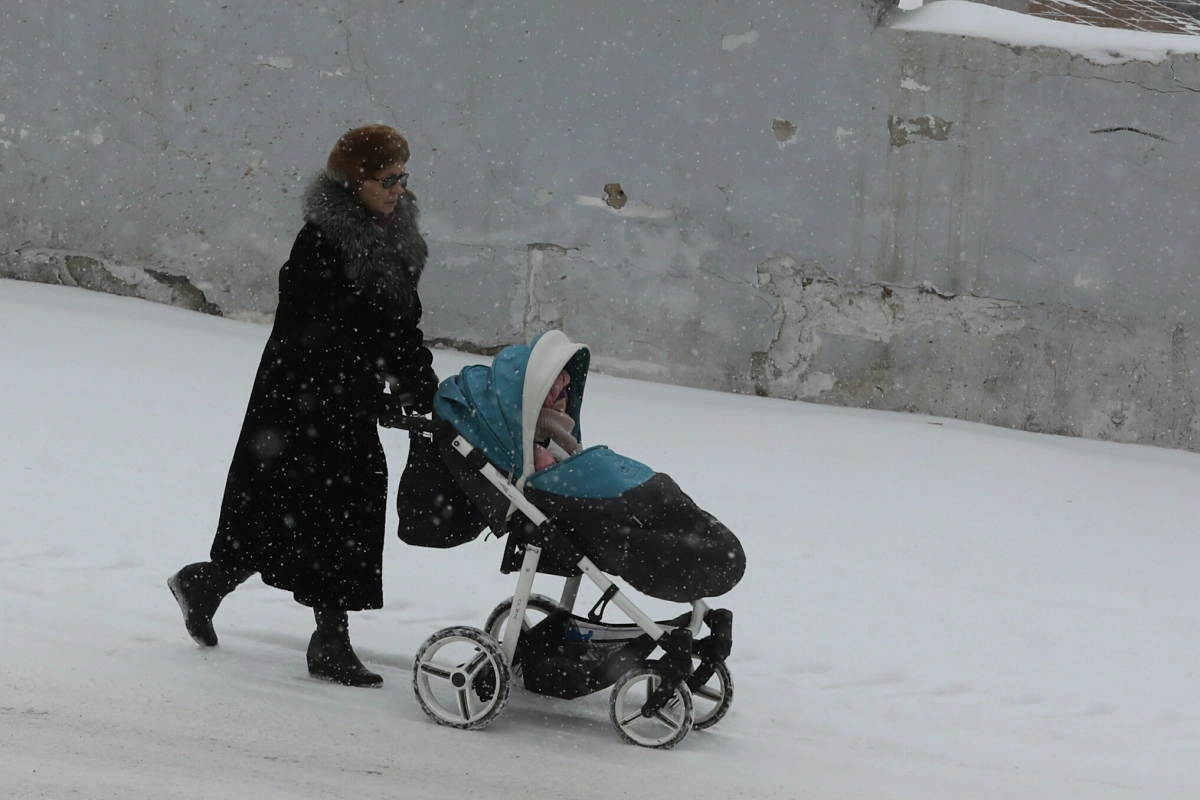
{"x":379,"y":193}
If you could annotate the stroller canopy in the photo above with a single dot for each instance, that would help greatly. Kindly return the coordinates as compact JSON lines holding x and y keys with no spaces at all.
{"x":496,"y":407}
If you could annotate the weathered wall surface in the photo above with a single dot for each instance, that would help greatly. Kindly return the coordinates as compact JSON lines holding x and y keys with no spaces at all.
{"x":809,"y":206}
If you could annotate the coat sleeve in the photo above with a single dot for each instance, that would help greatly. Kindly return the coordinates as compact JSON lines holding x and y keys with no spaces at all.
{"x":406,"y":363}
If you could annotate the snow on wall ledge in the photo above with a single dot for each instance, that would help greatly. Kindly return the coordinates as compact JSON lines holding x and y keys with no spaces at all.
{"x":777,"y":196}
{"x":1102,"y":46}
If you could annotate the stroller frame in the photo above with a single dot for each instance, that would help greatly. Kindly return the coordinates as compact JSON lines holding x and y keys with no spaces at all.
{"x":483,"y":430}
{"x":462,"y":675}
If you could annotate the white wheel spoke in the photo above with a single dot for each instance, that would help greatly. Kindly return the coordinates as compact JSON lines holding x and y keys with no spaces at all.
{"x":464,"y":704}
{"x":670,"y":722}
{"x":630,"y":719}
{"x":475,"y":663}
{"x":709,"y":694}
{"x":435,"y":671}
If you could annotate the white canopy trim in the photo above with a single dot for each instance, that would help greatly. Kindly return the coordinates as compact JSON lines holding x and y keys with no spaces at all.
{"x":548,"y":358}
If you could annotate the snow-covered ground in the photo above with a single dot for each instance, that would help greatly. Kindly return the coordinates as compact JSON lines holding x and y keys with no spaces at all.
{"x":1098,"y":45}
{"x":932,"y":609}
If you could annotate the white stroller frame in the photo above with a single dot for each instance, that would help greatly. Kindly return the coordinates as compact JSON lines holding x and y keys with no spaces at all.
{"x":651,"y":705}
{"x":571,"y":588}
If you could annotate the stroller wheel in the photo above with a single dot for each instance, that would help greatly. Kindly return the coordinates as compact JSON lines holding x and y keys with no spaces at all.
{"x":537,"y":609}
{"x":460,"y":678}
{"x":664,"y":728}
{"x":712,"y":700}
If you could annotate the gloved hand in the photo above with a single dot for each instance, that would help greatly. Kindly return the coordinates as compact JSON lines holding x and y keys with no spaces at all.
{"x":423,"y":393}
{"x":417,"y":396}
{"x":410,"y":403}
{"x":421,"y":403}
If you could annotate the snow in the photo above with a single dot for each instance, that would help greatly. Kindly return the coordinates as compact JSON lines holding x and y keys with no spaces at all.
{"x":1098,"y":45}
{"x":932,"y":609}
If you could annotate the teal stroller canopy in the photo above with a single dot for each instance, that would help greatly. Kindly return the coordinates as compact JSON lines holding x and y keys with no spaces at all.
{"x":496,"y":407}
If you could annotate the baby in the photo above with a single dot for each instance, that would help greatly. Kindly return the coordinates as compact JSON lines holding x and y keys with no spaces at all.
{"x":554,"y":437}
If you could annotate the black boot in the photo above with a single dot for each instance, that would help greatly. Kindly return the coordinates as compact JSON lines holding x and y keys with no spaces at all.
{"x":329,"y":653}
{"x":199,"y":589}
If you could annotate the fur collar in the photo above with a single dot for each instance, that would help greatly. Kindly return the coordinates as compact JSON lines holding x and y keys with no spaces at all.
{"x":394,"y":258}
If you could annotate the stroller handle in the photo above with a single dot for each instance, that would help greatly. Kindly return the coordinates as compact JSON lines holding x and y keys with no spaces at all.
{"x":398,"y":413}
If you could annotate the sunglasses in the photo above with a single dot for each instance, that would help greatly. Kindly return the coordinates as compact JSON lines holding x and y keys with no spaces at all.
{"x":392,"y":180}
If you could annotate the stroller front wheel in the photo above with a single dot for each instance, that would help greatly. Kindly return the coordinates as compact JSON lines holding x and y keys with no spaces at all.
{"x":460,"y":678}
{"x":712,"y":700}
{"x":664,"y":728}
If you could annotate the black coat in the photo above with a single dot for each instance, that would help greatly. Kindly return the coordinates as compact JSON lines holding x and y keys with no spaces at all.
{"x":306,"y":496}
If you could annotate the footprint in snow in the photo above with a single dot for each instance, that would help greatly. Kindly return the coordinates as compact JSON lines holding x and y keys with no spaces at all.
{"x":879,"y":679}
{"x":810,"y":669}
{"x":951,"y":690}
{"x":123,"y":563}
{"x":53,"y":552}
{"x":1094,"y":710}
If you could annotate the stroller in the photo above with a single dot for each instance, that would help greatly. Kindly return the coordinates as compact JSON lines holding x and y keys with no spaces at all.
{"x":593,"y":513}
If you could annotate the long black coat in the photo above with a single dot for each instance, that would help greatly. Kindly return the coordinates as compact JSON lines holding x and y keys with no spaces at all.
{"x":306,"y":496}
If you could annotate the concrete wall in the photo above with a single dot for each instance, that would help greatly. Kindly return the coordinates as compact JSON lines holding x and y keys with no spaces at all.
{"x":809,"y":205}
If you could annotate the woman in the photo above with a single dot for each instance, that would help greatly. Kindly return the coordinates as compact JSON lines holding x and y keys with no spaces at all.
{"x":306,"y":495}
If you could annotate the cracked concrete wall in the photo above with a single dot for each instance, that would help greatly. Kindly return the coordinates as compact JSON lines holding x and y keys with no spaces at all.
{"x":766,"y":195}
{"x":87,"y":271}
{"x":1064,"y":190}
{"x":1048,"y":368}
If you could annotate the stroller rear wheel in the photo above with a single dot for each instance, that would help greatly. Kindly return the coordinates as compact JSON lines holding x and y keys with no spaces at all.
{"x":712,"y":700}
{"x":664,"y":728}
{"x":537,"y":609}
{"x":460,"y":678}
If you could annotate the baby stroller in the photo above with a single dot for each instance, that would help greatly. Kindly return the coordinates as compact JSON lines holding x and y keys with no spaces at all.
{"x":593,"y":514}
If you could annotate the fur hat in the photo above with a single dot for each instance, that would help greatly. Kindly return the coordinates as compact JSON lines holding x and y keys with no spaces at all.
{"x":362,"y":152}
